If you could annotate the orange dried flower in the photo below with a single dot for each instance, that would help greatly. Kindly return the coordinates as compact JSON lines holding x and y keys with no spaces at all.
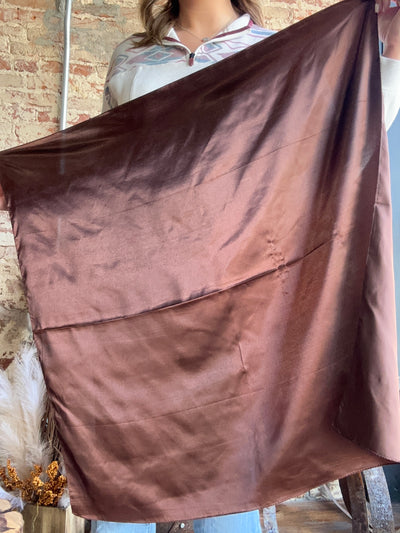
{"x":34,"y":489}
{"x":52,"y":470}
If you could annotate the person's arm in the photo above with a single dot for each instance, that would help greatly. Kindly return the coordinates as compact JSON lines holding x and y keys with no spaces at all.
{"x":390,"y":76}
{"x":389,"y":34}
{"x":115,"y":79}
{"x":389,"y":28}
{"x":109,"y":101}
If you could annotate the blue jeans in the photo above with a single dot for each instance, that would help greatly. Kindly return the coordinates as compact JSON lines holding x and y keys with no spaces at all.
{"x":231,"y":523}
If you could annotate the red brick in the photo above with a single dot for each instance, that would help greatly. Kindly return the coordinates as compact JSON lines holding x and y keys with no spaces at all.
{"x":11,"y":79}
{"x":4,"y":65}
{"x":24,"y":14}
{"x":25,"y":66}
{"x":36,"y":98}
{"x":51,"y":66}
{"x":130,"y":13}
{"x":43,"y":116}
{"x":81,"y":70}
{"x":21,"y":112}
{"x":30,"y":132}
{"x":9,"y":14}
{"x":35,"y":4}
{"x":81,"y":118}
{"x":27,"y":15}
{"x":31,"y":82}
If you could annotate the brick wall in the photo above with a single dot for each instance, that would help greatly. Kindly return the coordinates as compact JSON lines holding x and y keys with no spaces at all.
{"x":31,"y":43}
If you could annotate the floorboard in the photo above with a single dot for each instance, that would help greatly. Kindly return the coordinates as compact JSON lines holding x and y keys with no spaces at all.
{"x":317,"y":516}
{"x":297,"y":516}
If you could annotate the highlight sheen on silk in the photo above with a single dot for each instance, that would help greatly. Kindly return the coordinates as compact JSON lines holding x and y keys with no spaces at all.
{"x":209,"y":276}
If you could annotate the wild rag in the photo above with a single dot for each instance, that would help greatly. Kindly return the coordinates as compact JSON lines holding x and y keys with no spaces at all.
{"x":209,"y":277}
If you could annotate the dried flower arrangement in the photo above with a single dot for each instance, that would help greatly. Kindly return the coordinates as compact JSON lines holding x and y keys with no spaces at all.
{"x":33,"y":489}
{"x":29,"y":447}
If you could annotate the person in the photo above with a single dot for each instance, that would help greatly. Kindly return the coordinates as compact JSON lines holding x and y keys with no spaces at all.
{"x":182,"y":37}
{"x":189,"y":35}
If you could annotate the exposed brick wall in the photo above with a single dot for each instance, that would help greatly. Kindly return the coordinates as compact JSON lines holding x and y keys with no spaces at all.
{"x":31,"y":41}
{"x":31,"y":44}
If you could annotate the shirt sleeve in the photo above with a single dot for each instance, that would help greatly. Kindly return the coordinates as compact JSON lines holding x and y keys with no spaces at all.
{"x":109,"y":101}
{"x":390,"y":75}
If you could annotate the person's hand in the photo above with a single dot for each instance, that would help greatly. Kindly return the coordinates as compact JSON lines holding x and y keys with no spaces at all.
{"x":389,"y":27}
{"x":3,"y":205}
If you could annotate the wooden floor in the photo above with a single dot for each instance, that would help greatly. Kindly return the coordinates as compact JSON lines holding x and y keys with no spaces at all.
{"x":317,"y":516}
{"x":307,"y":517}
{"x":297,"y":516}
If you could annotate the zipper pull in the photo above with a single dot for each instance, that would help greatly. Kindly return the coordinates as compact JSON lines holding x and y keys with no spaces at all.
{"x":191,"y":59}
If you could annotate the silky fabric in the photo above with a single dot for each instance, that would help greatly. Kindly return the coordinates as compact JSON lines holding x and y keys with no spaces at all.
{"x":209,"y":277}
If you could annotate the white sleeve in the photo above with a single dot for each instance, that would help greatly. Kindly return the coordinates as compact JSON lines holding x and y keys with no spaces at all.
{"x":109,"y":101}
{"x":390,"y":75}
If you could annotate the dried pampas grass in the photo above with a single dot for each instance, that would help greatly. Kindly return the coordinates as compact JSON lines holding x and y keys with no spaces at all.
{"x":27,"y":429}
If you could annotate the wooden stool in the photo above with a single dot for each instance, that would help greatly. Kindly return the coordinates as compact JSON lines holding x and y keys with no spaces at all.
{"x":367,"y":498}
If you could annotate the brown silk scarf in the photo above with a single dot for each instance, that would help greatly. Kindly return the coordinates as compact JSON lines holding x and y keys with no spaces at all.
{"x":209,"y":277}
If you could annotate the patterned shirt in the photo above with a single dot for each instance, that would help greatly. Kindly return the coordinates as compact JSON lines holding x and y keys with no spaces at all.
{"x":134,"y":72}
